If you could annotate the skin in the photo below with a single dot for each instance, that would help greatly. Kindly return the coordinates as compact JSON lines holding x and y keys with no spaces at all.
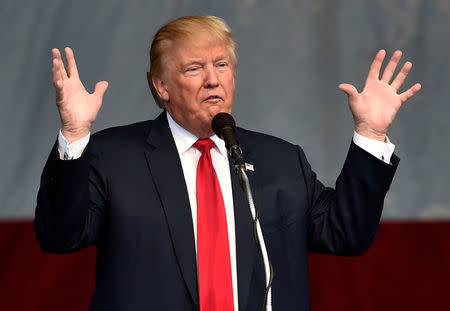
{"x":198,"y":83}
{"x":77,"y":108}
{"x":200,"y":67}
{"x":376,"y":106}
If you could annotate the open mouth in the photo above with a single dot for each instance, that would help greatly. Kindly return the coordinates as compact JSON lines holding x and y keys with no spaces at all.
{"x":213,"y":98}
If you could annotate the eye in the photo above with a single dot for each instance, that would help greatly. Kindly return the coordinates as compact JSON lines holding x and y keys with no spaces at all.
{"x":192,"y":69}
{"x":222,"y":66}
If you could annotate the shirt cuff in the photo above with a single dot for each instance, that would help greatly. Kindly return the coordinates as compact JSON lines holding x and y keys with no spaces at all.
{"x":379,"y":149}
{"x":74,"y":150}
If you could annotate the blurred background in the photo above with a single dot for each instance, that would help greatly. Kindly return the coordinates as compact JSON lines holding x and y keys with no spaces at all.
{"x":292,"y":54}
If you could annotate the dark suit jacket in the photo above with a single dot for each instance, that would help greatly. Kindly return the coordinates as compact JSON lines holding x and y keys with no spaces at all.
{"x":127,"y":196}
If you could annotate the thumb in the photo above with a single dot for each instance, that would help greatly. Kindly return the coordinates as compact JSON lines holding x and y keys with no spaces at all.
{"x":100,"y":88}
{"x":349,"y":89}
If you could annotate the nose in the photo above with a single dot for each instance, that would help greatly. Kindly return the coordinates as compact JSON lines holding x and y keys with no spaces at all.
{"x":211,"y":78}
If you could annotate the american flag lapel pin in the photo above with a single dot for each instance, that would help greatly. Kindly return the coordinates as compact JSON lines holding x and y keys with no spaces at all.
{"x":249,"y":167}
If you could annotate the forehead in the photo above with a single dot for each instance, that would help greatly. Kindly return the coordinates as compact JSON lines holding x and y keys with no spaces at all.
{"x":201,"y":45}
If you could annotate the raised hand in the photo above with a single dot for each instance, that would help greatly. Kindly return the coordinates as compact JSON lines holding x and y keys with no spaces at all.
{"x":78,"y":108}
{"x":376,"y":106}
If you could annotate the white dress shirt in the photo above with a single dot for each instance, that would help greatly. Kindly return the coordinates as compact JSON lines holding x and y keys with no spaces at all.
{"x":189,"y":157}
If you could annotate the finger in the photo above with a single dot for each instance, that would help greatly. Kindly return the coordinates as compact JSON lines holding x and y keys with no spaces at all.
{"x":60,"y":63}
{"x":410,"y":92}
{"x":400,"y":78}
{"x":349,"y":89}
{"x":55,"y":68}
{"x":390,"y":68}
{"x":56,"y":59}
{"x":374,"y":72}
{"x":72,"y":69}
{"x":100,"y":88}
{"x":56,"y":74}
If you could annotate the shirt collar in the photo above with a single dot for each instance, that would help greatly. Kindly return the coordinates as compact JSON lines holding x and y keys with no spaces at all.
{"x":185,"y":139}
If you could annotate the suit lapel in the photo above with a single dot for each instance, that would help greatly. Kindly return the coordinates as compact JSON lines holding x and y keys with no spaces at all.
{"x":167,"y":173}
{"x":245,"y":242}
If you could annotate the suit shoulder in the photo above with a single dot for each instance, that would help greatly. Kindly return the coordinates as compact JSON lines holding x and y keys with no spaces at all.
{"x":257,"y":138}
{"x":123,"y":133}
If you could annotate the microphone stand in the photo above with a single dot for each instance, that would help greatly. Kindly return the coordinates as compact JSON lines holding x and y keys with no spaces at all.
{"x":239,"y":169}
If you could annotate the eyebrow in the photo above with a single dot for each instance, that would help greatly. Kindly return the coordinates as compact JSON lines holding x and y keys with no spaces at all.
{"x":198,"y":62}
{"x":194,"y":62}
{"x":219,"y":58}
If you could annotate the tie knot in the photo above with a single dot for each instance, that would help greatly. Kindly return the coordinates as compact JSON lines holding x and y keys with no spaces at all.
{"x":204,"y":145}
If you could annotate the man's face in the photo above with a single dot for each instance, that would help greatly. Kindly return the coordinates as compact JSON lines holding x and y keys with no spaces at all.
{"x":198,"y":83}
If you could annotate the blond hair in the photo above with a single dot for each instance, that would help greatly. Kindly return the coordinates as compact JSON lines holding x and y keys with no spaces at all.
{"x":181,"y":29}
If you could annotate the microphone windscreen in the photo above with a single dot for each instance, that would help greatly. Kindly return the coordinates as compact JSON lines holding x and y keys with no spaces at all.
{"x":220,"y":121}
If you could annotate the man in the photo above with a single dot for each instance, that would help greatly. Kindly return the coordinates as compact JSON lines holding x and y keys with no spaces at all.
{"x":137,"y":192}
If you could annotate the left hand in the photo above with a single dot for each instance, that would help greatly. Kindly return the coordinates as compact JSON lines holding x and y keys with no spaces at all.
{"x":375,"y":107}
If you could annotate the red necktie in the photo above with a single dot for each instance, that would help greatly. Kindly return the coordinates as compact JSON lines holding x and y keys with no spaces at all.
{"x":213,"y":253}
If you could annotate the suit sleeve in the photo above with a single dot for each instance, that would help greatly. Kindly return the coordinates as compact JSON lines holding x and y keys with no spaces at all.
{"x":344,"y":220}
{"x":71,"y":202}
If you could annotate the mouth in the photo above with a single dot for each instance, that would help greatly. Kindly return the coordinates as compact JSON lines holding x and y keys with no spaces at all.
{"x":213,"y":98}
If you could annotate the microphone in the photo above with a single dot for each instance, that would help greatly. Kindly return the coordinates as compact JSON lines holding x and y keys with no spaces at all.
{"x":224,"y":126}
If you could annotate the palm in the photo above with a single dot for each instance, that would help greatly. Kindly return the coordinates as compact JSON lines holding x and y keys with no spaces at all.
{"x":376,"y":106}
{"x":76,"y":104}
{"x":77,"y":108}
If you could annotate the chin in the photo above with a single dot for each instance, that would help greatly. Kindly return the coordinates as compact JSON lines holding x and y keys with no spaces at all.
{"x":217,"y":109}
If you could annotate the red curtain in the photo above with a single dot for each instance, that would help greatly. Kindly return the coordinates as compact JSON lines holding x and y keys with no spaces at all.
{"x":407,"y":268}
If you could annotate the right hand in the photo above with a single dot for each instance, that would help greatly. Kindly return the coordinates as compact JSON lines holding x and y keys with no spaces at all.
{"x":78,"y":109}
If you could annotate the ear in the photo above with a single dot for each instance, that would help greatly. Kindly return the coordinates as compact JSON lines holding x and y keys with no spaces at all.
{"x":159,"y":85}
